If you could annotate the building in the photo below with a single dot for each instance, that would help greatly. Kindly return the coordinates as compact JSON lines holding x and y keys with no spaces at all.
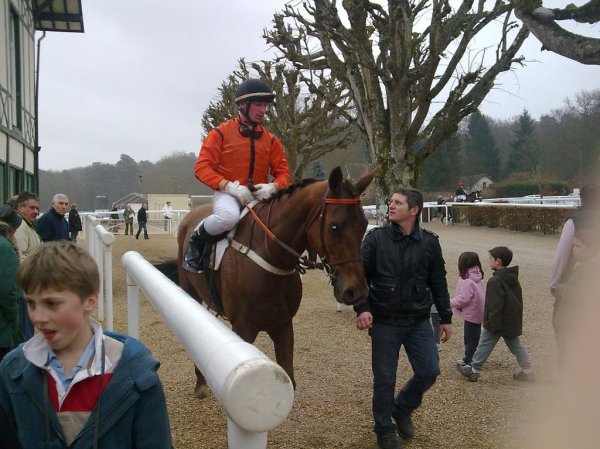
{"x":19,"y":143}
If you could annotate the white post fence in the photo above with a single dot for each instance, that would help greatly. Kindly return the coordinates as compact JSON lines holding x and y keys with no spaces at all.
{"x":99,"y":242}
{"x":255,"y":392}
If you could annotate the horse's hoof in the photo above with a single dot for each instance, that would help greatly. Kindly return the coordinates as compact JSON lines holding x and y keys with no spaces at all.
{"x":201,"y":391}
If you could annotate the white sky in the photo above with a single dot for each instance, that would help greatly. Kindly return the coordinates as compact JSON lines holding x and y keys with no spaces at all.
{"x":140,"y":77}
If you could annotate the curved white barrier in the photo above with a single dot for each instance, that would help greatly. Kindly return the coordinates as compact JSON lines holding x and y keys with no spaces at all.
{"x":255,"y":392}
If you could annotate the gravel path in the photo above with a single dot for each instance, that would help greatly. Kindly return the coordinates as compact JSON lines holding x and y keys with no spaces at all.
{"x":332,"y":359}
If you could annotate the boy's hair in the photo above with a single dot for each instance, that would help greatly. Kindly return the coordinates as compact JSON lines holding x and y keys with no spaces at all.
{"x":413,"y":196}
{"x":467,"y":260}
{"x":60,"y":265}
{"x":502,"y":253}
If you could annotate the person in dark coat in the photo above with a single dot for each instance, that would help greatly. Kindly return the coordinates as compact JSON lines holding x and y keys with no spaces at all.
{"x":74,"y":222}
{"x":10,"y":295}
{"x":502,"y":317}
{"x":406,"y":274}
{"x":53,"y":225}
{"x":142,"y":219}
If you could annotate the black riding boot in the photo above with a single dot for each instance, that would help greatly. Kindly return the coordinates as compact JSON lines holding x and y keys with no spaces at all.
{"x":196,"y":247}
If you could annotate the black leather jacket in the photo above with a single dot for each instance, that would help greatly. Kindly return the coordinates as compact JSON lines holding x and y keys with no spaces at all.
{"x":405,"y":274}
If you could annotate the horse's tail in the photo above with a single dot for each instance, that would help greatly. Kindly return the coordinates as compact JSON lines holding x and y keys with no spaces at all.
{"x":169,"y":268}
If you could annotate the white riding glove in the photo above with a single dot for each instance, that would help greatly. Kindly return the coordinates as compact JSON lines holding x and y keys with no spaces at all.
{"x":264,"y":191}
{"x":239,"y":191}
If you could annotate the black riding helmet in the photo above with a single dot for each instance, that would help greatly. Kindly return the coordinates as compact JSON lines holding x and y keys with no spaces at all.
{"x":252,"y":90}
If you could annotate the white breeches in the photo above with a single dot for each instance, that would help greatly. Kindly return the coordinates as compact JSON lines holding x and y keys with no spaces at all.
{"x":226,"y":214}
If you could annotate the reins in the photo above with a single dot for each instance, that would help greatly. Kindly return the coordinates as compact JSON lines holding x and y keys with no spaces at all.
{"x":320,"y":212}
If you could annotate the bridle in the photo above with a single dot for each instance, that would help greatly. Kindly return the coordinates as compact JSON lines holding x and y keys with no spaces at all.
{"x":319,"y":211}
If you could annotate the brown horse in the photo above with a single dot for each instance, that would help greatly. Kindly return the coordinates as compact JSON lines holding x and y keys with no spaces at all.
{"x":326,"y":216}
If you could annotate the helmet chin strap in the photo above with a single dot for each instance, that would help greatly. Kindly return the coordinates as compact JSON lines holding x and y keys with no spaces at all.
{"x":244,"y":112}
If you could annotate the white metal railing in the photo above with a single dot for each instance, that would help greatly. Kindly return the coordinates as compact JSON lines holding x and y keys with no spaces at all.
{"x":99,"y":242}
{"x":156,"y":220}
{"x":255,"y":392}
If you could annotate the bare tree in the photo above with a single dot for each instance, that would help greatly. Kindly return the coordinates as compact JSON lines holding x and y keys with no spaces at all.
{"x":310,"y":119}
{"x":542,"y":22}
{"x":410,"y":68}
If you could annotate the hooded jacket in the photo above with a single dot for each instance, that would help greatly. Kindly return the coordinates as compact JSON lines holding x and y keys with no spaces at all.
{"x":133,"y":412}
{"x":405,"y":274}
{"x":503,"y":313}
{"x":469,"y":297}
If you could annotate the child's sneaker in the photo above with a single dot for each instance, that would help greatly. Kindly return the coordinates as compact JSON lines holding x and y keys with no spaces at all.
{"x":522,"y":376}
{"x":468,"y":372}
{"x":460,"y":362}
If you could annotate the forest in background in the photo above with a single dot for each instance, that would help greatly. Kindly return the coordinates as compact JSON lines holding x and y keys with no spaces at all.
{"x":562,"y":145}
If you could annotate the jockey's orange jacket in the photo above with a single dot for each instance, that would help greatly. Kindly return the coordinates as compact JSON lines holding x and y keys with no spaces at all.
{"x":225,"y":154}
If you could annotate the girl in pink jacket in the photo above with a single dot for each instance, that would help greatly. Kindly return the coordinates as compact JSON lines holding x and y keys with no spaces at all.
{"x":468,"y":301}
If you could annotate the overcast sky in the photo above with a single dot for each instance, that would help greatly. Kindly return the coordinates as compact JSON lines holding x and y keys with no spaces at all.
{"x":140,"y":77}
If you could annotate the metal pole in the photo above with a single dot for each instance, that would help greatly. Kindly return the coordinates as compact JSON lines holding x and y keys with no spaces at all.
{"x":133,"y":308}
{"x":108,"y":324}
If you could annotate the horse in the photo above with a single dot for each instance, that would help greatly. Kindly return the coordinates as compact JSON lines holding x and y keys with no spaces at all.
{"x":323,"y":215}
{"x":474,"y":197}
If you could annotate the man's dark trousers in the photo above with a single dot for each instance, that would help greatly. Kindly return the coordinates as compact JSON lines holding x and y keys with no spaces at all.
{"x":387,"y":337}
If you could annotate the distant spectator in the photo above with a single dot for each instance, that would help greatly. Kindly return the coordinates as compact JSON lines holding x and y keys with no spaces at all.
{"x":74,"y":222}
{"x":142,"y":218}
{"x":27,"y":237}
{"x":115,"y":218}
{"x":10,"y":295}
{"x":53,"y":224}
{"x":167,"y":211}
{"x":128,"y":215}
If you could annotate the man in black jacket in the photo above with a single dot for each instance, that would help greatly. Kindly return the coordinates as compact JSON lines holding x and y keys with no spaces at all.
{"x":405,"y":272}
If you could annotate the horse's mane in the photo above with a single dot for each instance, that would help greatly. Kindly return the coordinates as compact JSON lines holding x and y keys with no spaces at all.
{"x":291,"y":188}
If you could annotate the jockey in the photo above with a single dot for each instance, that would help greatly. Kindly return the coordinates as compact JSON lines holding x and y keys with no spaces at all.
{"x":460,"y":195}
{"x":236,"y":160}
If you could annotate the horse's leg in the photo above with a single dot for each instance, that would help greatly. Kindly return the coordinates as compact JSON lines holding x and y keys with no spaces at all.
{"x":283,"y":341}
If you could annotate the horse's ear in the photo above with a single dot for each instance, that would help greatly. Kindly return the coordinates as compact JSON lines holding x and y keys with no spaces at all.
{"x":336,"y":178}
{"x":364,"y":182}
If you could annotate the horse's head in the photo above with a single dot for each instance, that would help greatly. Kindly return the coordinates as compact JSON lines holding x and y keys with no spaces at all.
{"x":336,"y":234}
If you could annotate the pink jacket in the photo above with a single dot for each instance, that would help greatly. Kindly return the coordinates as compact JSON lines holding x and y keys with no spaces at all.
{"x":469,"y":297}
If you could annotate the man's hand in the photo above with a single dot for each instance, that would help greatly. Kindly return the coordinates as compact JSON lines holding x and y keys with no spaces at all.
{"x":264,"y":191}
{"x":445,"y":332}
{"x":239,"y":191}
{"x":364,"y":321}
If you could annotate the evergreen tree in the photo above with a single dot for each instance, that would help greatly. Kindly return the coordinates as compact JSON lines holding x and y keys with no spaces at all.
{"x":317,"y":170}
{"x":524,"y":156}
{"x":481,"y":151}
{"x":441,"y":169}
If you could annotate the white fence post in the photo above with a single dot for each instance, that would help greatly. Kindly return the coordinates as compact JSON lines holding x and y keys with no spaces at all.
{"x":255,"y":392}
{"x":98,"y":242}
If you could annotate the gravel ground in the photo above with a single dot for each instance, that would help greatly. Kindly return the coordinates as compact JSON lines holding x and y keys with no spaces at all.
{"x":332,"y":405}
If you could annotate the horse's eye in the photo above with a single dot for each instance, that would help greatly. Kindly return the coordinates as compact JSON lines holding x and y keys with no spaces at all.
{"x":333,"y":227}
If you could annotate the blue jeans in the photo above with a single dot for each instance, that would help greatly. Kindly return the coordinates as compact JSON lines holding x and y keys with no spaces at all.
{"x":487,"y":343}
{"x":142,"y":225}
{"x":387,"y":337}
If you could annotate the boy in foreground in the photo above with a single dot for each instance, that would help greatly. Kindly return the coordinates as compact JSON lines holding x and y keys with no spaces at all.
{"x":502,"y":317}
{"x":71,"y":385}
